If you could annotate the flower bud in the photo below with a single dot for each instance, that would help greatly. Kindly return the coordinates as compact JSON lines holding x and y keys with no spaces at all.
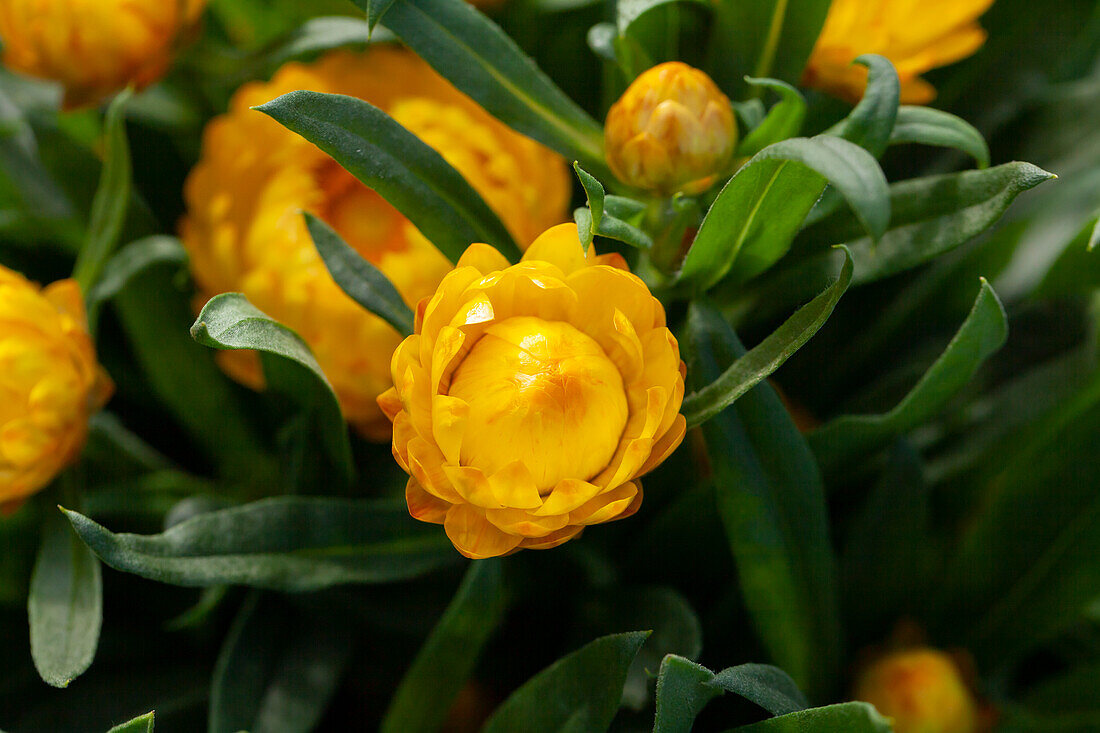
{"x":533,"y":396}
{"x":922,"y":690}
{"x":672,"y":130}
{"x":49,"y":380}
{"x":94,"y":47}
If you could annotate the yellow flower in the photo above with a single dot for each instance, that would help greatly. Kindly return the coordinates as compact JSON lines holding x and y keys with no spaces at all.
{"x":915,"y":36}
{"x":244,"y":230}
{"x":922,"y":690}
{"x":533,"y":396}
{"x":49,"y":382}
{"x":672,"y":130}
{"x":94,"y":47}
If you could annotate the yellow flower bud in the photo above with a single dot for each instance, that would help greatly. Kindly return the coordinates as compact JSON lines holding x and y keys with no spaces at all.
{"x":922,"y":690}
{"x":50,"y":382}
{"x":672,"y":130}
{"x":94,"y":47}
{"x":533,"y":396}
{"x":916,"y":37}
{"x":244,"y":230}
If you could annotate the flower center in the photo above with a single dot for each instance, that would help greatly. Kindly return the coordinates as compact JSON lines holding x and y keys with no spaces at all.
{"x":542,"y":390}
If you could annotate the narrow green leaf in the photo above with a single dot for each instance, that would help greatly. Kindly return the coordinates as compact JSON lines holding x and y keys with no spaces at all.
{"x":593,"y":190}
{"x":748,"y":371}
{"x":451,"y":651}
{"x":21,"y":165}
{"x":931,"y":126}
{"x":625,"y":208}
{"x":613,"y":227}
{"x":476,"y":56}
{"x":363,"y":282}
{"x":982,"y":333}
{"x":140,"y":724}
{"x":405,"y":171}
{"x":581,"y":690}
{"x":847,"y":717}
{"x":757,"y":214}
{"x":283,"y":543}
{"x":783,"y":121}
{"x":65,"y":605}
{"x":129,"y":262}
{"x":771,"y":501}
{"x":229,"y":321}
{"x":307,"y":41}
{"x":872,"y":121}
{"x":375,"y":10}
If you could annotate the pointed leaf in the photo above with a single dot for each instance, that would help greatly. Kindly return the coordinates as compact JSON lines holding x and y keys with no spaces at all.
{"x":871,"y":122}
{"x":783,"y":121}
{"x":140,"y":724}
{"x":848,"y":717}
{"x":931,"y":126}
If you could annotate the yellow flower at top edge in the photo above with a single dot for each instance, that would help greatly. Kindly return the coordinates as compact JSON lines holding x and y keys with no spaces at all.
{"x":94,"y":47}
{"x":532,"y":397}
{"x":916,"y":35}
{"x":50,"y":382}
{"x":672,"y":130}
{"x":245,"y":233}
{"x":922,"y":690}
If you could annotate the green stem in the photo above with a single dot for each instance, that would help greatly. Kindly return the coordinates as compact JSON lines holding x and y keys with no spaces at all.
{"x":771,"y":45}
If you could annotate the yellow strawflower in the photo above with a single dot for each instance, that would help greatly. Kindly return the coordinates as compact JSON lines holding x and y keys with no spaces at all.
{"x":916,"y":35}
{"x":672,"y":130}
{"x":94,"y":47}
{"x":922,"y":690}
{"x":532,"y":397}
{"x":244,"y":230}
{"x":50,"y":382}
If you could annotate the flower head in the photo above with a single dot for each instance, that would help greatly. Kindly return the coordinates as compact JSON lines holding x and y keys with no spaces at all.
{"x":922,"y":690}
{"x":672,"y":130}
{"x":533,"y":396}
{"x":244,"y":230}
{"x":49,"y":381}
{"x":916,"y":37}
{"x":94,"y":47}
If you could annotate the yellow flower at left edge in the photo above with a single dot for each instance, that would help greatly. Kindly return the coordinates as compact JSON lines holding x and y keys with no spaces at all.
{"x":916,"y":36}
{"x":94,"y":47}
{"x":50,"y":383}
{"x":244,"y":229}
{"x":532,"y":397}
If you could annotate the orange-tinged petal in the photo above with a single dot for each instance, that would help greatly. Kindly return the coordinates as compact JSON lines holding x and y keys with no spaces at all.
{"x":473,"y":486}
{"x":422,"y":505}
{"x":474,"y":536}
{"x":426,"y":465}
{"x":607,"y":506}
{"x":551,"y":540}
{"x":668,"y":443}
{"x":524,"y":523}
{"x":449,"y":418}
{"x":566,"y":496}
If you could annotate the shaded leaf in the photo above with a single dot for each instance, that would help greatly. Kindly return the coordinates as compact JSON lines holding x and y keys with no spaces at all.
{"x":931,"y":126}
{"x":872,"y":121}
{"x":848,"y":717}
{"x":129,"y":262}
{"x":783,"y":121}
{"x":140,"y":724}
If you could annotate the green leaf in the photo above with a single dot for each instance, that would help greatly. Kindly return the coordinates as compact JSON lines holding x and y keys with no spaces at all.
{"x":65,"y":605}
{"x":363,"y":282}
{"x":277,"y":670}
{"x":140,"y":724}
{"x":308,"y":40}
{"x":476,"y":56}
{"x":929,"y":216}
{"x":771,"y":501}
{"x":847,"y":717}
{"x":783,"y":121}
{"x":229,"y":321}
{"x":375,"y":10}
{"x":131,"y":261}
{"x":111,"y":197}
{"x":748,"y":371}
{"x":982,"y":333}
{"x":931,"y":126}
{"x":404,"y":170}
{"x":283,"y":543}
{"x":1074,"y":691}
{"x":613,"y":227}
{"x":451,"y":651}
{"x":871,"y":122}
{"x":580,"y":691}
{"x":684,"y":688}
{"x":593,"y":189}
{"x":20,"y":164}
{"x":757,"y":214}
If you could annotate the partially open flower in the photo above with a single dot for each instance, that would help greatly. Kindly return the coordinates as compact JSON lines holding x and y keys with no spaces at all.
{"x":532,"y":397}
{"x":50,"y":382}
{"x":672,"y":130}
{"x":94,"y":47}
{"x":922,"y":690}
{"x":915,"y":36}
{"x":244,"y":230}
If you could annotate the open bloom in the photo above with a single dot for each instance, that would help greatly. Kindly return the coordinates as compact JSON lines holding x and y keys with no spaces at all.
{"x":94,"y":47}
{"x":672,"y":130}
{"x":49,"y":382}
{"x":245,"y":233}
{"x":922,"y":690}
{"x":533,"y":396}
{"x":915,"y":36}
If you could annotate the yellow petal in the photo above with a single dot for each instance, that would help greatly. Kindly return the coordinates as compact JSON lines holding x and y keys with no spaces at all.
{"x":523,"y":523}
{"x":474,"y":536}
{"x":551,"y":540}
{"x":449,"y":418}
{"x":422,"y":505}
{"x":514,"y":486}
{"x":567,"y":495}
{"x":668,"y":443}
{"x":426,"y":465}
{"x":473,"y":486}
{"x":560,"y":246}
{"x":606,"y":507}
{"x":484,"y":258}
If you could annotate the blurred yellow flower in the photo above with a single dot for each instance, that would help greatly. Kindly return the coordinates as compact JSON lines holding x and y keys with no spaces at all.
{"x":672,"y":130}
{"x":922,"y":690}
{"x":915,"y":36}
{"x":532,"y":397}
{"x":50,"y":382}
{"x":94,"y":47}
{"x":245,"y":233}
